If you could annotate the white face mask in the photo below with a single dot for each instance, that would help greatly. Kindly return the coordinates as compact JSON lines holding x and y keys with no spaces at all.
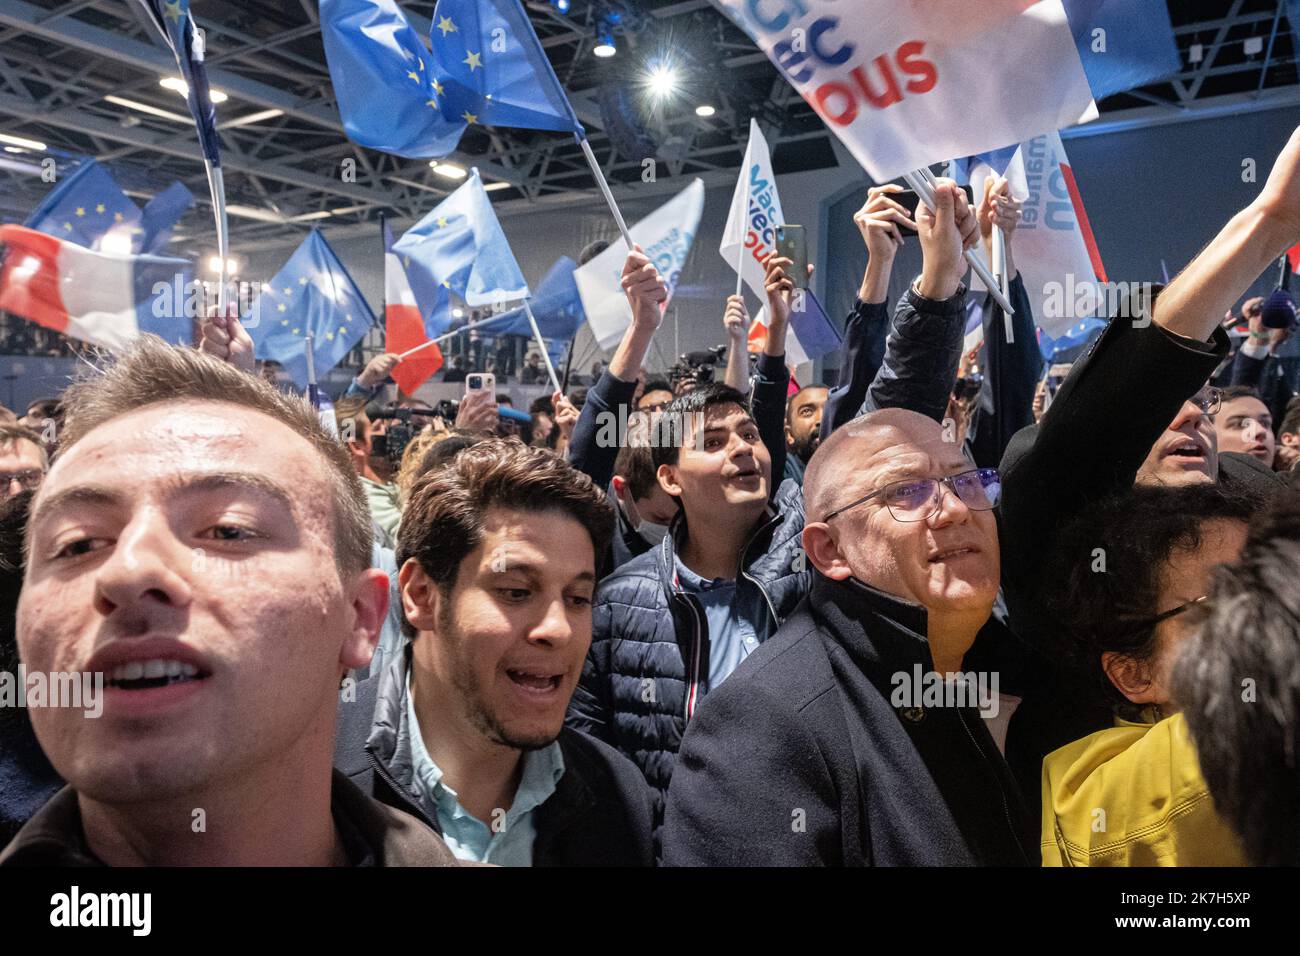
{"x":651,"y":532}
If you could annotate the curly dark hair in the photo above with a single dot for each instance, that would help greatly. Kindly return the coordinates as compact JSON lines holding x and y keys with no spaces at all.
{"x":1107,"y":567}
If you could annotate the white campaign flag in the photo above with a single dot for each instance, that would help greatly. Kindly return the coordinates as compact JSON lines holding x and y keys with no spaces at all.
{"x":907,"y":83}
{"x":666,"y":236}
{"x":1052,"y":247}
{"x":752,"y":222}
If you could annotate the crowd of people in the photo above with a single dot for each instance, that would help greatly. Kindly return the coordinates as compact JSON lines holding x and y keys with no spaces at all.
{"x":910,"y":617}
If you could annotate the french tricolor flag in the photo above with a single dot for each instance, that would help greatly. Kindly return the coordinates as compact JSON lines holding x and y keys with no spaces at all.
{"x":105,"y":299}
{"x":404,"y":327}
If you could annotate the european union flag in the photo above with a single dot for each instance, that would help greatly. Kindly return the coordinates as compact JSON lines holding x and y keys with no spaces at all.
{"x":384,"y":80}
{"x":486,"y":67}
{"x":87,"y":207}
{"x":162,"y":213}
{"x":556,"y":306}
{"x":311,"y":293}
{"x":1123,"y":44}
{"x":493,"y":69}
{"x":460,"y":245}
{"x":177,"y":28}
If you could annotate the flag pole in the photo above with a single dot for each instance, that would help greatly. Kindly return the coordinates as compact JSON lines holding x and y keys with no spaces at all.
{"x":744,"y":228}
{"x":604,"y":188}
{"x":313,"y":392}
{"x":541,"y":344}
{"x":217,"y":187}
{"x":922,"y":183}
{"x":464,"y":328}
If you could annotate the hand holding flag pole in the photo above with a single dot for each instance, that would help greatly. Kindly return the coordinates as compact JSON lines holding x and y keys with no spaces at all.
{"x":922,"y":182}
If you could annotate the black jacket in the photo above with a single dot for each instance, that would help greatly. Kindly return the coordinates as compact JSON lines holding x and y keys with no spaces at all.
{"x":800,"y":759}
{"x":372,"y":834}
{"x":599,"y":814}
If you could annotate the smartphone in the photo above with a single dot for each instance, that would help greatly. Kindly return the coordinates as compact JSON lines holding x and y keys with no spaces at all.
{"x":792,"y":243}
{"x":479,"y":381}
{"x":908,"y":199}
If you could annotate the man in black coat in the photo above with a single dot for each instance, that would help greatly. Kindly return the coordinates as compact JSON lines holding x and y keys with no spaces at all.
{"x":464,"y":728}
{"x":852,"y":737}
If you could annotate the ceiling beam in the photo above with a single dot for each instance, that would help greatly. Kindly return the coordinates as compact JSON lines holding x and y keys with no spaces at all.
{"x":80,"y":35}
{"x":83,"y":122}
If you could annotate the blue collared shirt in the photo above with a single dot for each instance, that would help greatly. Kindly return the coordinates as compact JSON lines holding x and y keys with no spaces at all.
{"x":732,"y":631}
{"x":507,"y":839}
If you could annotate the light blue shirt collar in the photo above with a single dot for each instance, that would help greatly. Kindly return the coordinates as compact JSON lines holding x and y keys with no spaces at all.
{"x":506,"y":840}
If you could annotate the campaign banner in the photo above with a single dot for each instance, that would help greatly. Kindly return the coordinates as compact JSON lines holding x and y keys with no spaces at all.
{"x":907,"y":83}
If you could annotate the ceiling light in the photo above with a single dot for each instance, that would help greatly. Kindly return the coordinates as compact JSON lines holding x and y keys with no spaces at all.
{"x":448,"y":170}
{"x":20,"y":141}
{"x":14,"y":149}
{"x":251,"y":118}
{"x":214,"y":266}
{"x":458,"y":313}
{"x":661,"y":80}
{"x":604,"y":47}
{"x":146,"y":108}
{"x":177,"y":85}
{"x":309,"y":216}
{"x":493,"y":187}
{"x":253,"y":212}
{"x":562,"y":5}
{"x":704,"y":109}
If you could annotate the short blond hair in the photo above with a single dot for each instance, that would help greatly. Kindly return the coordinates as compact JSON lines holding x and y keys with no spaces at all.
{"x":151,"y":372}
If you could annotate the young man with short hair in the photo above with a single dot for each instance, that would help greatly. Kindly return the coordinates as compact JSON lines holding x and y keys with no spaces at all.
{"x":202,"y":547}
{"x":464,"y":729}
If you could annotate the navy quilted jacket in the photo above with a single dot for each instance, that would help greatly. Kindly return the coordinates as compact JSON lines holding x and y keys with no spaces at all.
{"x":649,"y":658}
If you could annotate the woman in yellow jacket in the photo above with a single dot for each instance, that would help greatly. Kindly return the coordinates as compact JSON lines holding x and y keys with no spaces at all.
{"x":1133,"y":794}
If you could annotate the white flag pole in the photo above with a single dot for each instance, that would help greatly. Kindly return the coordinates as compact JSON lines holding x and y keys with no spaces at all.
{"x":922,"y":183}
{"x":541,"y":344}
{"x":744,"y":224}
{"x":454,"y":332}
{"x":604,"y":188}
{"x":1000,"y":271}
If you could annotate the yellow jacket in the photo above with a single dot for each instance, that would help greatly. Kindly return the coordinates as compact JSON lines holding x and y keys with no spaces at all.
{"x":1132,"y":795}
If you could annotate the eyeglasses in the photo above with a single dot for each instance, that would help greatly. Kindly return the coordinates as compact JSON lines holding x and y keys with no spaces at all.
{"x":1209,"y":400}
{"x":1147,"y":623}
{"x":916,"y":499}
{"x":30,"y":480}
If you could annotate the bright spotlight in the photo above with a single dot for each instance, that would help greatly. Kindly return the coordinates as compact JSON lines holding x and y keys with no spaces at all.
{"x":661,"y":81}
{"x":604,"y":47}
{"x":704,"y":109}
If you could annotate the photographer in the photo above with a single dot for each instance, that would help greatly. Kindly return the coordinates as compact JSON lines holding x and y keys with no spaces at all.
{"x":367,"y":444}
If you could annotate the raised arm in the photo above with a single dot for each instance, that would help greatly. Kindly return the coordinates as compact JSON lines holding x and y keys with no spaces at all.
{"x":924,"y":344}
{"x":867,"y":326}
{"x":736,"y":321}
{"x":1013,"y":364}
{"x":645,"y":291}
{"x":772,"y":377}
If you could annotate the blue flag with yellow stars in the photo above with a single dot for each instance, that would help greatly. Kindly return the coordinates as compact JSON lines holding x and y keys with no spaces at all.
{"x":311,"y":293}
{"x":89,"y":208}
{"x":486,"y":66}
{"x":176,"y":28}
{"x":460,"y":246}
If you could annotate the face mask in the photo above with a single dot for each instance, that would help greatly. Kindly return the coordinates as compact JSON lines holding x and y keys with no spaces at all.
{"x":651,"y":532}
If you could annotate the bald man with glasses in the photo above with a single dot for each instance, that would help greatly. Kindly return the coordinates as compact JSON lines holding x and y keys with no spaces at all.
{"x":853,"y":736}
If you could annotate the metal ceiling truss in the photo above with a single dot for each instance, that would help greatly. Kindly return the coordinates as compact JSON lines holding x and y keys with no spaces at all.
{"x":284,"y":148}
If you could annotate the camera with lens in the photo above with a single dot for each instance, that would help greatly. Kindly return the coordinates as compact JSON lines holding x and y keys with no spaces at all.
{"x":699,"y":367}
